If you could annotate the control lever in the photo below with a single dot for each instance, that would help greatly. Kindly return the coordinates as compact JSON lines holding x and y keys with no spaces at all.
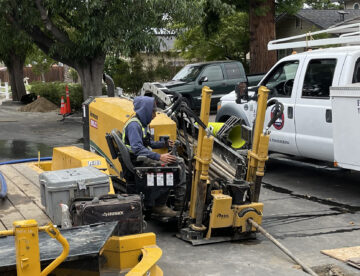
{"x":174,"y":148}
{"x":165,"y":138}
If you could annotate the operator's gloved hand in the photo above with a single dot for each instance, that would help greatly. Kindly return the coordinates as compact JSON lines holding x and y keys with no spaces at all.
{"x":167,"y":158}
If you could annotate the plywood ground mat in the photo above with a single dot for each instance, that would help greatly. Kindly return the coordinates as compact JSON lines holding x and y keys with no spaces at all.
{"x":350,"y":255}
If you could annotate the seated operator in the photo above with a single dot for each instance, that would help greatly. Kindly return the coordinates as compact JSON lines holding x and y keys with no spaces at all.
{"x":138,"y":140}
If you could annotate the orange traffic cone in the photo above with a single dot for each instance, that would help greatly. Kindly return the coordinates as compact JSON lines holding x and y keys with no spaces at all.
{"x":67,"y":108}
{"x":62,"y":107}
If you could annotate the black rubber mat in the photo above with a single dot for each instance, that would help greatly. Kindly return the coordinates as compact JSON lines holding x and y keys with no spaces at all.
{"x":85,"y":241}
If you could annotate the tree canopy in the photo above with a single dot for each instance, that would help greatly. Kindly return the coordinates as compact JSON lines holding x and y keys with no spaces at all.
{"x":231,"y":41}
{"x":80,"y":33}
{"x":323,"y":4}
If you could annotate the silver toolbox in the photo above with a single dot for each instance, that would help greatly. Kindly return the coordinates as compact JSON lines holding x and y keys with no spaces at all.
{"x":63,"y":186}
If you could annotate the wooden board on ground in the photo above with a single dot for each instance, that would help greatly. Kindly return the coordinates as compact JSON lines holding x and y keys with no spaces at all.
{"x":9,"y":214}
{"x":355,"y":262}
{"x":343,"y":254}
{"x":30,"y":174}
{"x":23,"y":183}
{"x":23,"y":199}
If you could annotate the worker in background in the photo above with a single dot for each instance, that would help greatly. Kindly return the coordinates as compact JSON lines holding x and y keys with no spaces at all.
{"x":138,"y":140}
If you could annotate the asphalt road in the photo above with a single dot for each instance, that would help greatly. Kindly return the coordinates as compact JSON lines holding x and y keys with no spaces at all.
{"x":307,"y":209}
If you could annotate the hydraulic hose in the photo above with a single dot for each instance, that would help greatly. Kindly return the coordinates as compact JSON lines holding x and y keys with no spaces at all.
{"x":278,"y":111}
{"x":3,"y":190}
{"x":177,"y":102}
{"x":189,"y":180}
{"x":25,"y":160}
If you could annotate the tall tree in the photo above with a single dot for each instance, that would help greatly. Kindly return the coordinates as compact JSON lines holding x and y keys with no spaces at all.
{"x":14,"y":47}
{"x":261,"y":24}
{"x":80,"y":33}
{"x":262,"y":30}
{"x":230,"y":41}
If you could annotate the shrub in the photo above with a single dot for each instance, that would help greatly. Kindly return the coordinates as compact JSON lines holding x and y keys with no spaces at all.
{"x":53,"y":91}
{"x":130,"y":75}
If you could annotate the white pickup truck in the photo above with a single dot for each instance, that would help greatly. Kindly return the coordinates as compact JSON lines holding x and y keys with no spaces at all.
{"x":302,"y":83}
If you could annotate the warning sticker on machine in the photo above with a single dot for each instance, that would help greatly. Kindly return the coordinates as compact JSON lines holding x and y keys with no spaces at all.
{"x":93,"y":123}
{"x":159,"y":179}
{"x":94,"y":163}
{"x":150,"y":179}
{"x":169,"y":179}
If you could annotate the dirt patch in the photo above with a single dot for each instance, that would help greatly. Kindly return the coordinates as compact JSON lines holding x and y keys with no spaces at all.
{"x":331,"y":270}
{"x":40,"y":105}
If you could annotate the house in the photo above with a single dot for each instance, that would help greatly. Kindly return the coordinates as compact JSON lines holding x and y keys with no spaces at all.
{"x":308,"y":20}
{"x":352,"y":5}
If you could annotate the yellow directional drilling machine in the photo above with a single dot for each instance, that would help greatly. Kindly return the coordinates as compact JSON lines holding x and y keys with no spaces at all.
{"x":210,"y":210}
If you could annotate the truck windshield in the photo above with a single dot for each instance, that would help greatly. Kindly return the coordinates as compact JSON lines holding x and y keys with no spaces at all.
{"x":188,"y":73}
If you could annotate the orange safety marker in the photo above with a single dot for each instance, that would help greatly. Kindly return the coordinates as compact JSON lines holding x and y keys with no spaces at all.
{"x":62,"y":106}
{"x":68,"y":108}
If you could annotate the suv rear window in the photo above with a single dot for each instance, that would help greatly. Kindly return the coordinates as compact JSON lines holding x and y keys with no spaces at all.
{"x":232,"y":71}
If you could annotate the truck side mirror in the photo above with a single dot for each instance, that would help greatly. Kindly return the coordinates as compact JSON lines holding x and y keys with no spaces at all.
{"x":241,"y":92}
{"x":203,"y":79}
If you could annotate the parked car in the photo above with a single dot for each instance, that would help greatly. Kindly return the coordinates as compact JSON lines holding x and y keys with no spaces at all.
{"x":220,"y":76}
{"x":302,"y":83}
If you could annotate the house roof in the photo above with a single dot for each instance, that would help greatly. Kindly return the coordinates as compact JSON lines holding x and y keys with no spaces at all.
{"x":325,"y":18}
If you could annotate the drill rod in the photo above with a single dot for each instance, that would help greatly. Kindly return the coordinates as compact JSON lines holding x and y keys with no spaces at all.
{"x":283,"y":248}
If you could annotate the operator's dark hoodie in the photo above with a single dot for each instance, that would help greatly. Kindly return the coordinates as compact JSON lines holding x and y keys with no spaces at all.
{"x":143,"y":106}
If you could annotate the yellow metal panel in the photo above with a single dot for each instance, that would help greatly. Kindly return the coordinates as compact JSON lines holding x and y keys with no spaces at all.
{"x":74,"y":157}
{"x":136,"y":241}
{"x":147,"y":265}
{"x":27,"y":248}
{"x":221,"y":212}
{"x":163,"y":126}
{"x":123,"y":252}
{"x":256,"y":216}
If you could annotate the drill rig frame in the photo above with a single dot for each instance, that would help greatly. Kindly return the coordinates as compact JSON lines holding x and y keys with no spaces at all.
{"x":221,"y":212}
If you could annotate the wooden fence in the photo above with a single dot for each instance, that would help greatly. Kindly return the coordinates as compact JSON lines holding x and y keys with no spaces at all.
{"x":56,"y":73}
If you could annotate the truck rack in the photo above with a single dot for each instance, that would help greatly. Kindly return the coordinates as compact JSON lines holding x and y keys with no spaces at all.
{"x":349,"y":34}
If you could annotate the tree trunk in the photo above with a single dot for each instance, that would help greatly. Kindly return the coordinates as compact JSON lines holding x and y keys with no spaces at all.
{"x":262,"y":30}
{"x":15,"y":66}
{"x":90,"y":73}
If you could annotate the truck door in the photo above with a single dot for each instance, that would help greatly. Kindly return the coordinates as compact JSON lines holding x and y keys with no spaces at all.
{"x":215,"y":80}
{"x":313,"y":117}
{"x":281,"y":82}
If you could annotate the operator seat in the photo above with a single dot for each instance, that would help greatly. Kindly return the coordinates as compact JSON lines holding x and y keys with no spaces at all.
{"x":119,"y":151}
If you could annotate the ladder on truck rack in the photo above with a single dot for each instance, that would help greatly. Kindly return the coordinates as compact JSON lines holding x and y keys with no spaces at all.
{"x":350,"y":35}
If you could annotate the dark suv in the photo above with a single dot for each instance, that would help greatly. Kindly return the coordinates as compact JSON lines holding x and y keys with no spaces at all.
{"x":220,"y":76}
